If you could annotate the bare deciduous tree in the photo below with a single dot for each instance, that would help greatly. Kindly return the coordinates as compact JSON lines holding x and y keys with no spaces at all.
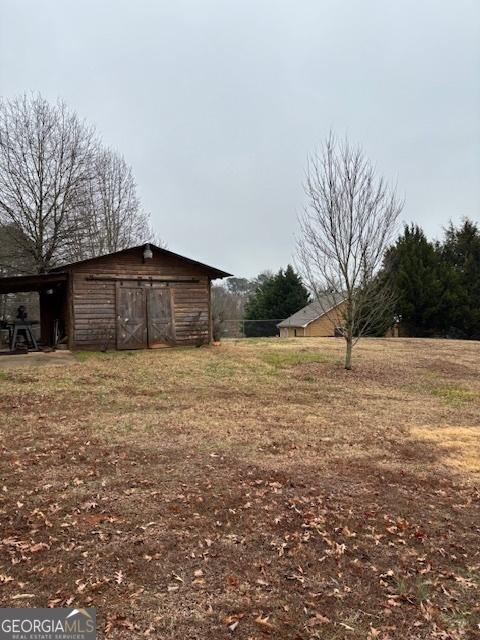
{"x":62,"y":196}
{"x":228,"y":307}
{"x":12,"y":261}
{"x":112,"y":217}
{"x":45,"y":162}
{"x":348,"y":222}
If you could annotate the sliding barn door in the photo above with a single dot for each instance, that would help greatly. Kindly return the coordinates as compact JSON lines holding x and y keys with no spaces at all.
{"x":161,"y":328}
{"x":131,"y":318}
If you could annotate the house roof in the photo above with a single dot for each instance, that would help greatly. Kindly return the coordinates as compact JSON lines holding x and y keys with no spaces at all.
{"x":213,"y":271}
{"x":316,"y":309}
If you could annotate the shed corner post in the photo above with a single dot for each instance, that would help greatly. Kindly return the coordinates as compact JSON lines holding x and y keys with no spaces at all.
{"x":210,"y":318}
{"x":70,"y":312}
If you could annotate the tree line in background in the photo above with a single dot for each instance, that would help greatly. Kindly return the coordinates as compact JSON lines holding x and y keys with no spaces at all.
{"x":63,"y":195}
{"x":436,"y":284}
{"x":435,"y":289}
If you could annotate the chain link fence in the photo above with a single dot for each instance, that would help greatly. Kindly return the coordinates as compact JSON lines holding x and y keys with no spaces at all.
{"x":250,"y":328}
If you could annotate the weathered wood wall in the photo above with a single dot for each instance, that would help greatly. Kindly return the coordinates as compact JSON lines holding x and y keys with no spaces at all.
{"x":93,"y":304}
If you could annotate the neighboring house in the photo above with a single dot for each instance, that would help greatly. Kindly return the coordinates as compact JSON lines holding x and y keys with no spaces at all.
{"x":319,"y":318}
{"x":140,"y":297}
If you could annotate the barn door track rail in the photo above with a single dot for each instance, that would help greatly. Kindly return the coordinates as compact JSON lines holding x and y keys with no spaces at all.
{"x":143,"y":278}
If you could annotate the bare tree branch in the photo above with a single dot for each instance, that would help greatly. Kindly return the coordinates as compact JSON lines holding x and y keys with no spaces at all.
{"x":111,"y":214}
{"x":45,"y":162}
{"x":63,"y":197}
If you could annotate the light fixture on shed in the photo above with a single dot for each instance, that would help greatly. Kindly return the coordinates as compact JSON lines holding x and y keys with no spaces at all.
{"x":147,"y":253}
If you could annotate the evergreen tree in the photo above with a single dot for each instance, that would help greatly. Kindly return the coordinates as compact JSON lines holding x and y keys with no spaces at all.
{"x":414,"y":266}
{"x":276,"y":297}
{"x":461,"y":254}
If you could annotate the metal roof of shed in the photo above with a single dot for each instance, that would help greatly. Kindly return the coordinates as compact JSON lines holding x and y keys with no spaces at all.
{"x":215,"y":273}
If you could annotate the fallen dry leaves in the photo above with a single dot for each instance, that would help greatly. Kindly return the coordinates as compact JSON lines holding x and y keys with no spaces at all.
{"x":242,"y":519}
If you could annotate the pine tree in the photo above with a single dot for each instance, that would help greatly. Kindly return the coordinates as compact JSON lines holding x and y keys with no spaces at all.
{"x":414,"y":267}
{"x":461,"y":253}
{"x":275,"y":298}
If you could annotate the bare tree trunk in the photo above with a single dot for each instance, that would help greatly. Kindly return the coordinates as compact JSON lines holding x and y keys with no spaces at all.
{"x":348,"y":333}
{"x":348,"y":352}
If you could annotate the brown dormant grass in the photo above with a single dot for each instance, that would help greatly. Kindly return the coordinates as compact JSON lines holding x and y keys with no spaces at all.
{"x":250,"y":490}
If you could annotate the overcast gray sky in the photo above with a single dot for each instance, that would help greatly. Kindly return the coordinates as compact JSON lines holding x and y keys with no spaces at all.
{"x":216,"y":104}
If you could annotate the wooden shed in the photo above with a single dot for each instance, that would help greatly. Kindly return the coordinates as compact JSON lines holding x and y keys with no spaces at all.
{"x":141,"y":297}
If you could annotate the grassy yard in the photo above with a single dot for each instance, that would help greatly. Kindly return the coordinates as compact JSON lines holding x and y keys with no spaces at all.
{"x":248,"y":491}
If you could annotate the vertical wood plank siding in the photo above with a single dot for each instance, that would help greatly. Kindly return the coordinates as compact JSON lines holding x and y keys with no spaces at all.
{"x":94,"y":301}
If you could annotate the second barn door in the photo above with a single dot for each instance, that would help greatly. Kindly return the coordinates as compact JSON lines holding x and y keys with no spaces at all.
{"x":160,"y":325}
{"x":131,"y":318}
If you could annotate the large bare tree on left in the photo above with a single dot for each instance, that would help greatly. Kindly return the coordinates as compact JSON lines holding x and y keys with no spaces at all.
{"x":46,"y":155}
{"x":112,"y":217}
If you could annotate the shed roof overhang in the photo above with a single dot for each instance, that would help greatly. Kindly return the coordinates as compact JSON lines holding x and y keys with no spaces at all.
{"x":37,"y":282}
{"x":213,"y":272}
